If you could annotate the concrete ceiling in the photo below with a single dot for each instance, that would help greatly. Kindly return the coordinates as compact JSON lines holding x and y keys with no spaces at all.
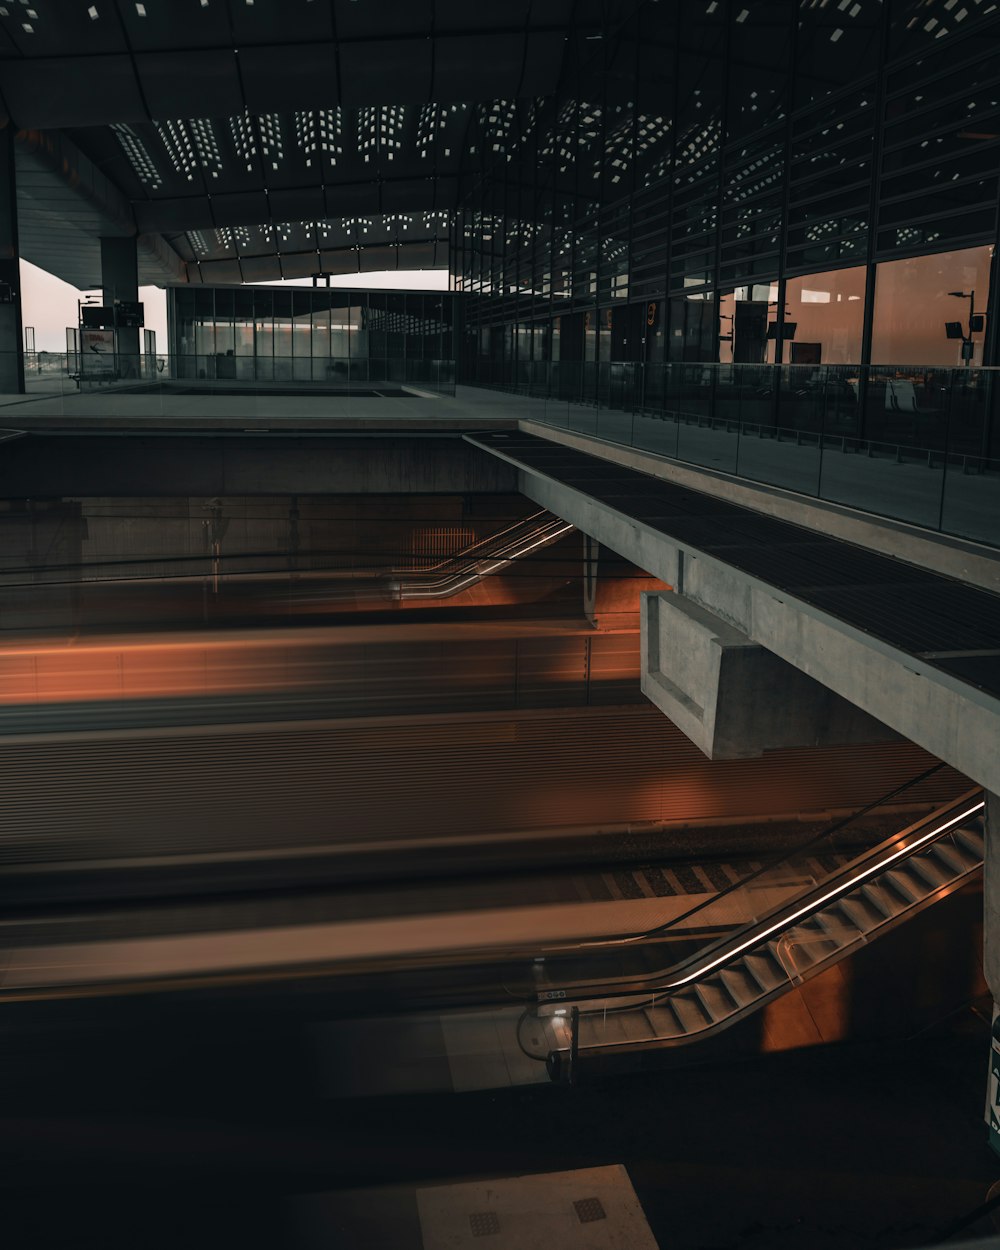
{"x":259,"y":139}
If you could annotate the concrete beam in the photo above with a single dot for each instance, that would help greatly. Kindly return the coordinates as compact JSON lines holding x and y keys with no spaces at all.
{"x":946,"y":716}
{"x":963,"y":559}
{"x":732,"y":697}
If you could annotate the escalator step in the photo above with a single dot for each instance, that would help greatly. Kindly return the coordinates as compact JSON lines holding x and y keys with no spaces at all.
{"x":663,"y":1020}
{"x":972,"y":841}
{"x":956,"y":861}
{"x":928,"y":870}
{"x":862,"y":912}
{"x":882,"y":900}
{"x":765,"y":970}
{"x":906,"y":884}
{"x":839,"y":925}
{"x":740,"y":985}
{"x":715,"y":1000}
{"x":689,"y":1011}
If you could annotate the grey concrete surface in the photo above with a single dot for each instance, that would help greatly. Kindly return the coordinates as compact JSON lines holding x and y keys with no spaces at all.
{"x":991,"y":896}
{"x":948,"y":717}
{"x":244,"y":464}
{"x":732,"y":697}
{"x":964,"y":559}
{"x":117,"y":407}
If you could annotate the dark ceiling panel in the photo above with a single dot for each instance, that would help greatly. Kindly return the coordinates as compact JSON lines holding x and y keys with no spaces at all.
{"x":220,"y":271}
{"x":299,"y":264}
{"x":63,"y":28}
{"x":408,"y":195}
{"x":299,"y":204}
{"x":551,"y":12}
{"x":542,"y":63}
{"x":176,"y":23}
{"x":189,"y":213}
{"x":69,"y":91}
{"x":477,"y":67}
{"x":296,"y":76}
{"x":457,"y":15}
{"x":261,"y":269}
{"x":374,"y":259}
{"x":349,"y":201}
{"x":240,"y":208}
{"x":417,"y":256}
{"x":339,"y":260}
{"x":368,"y":20}
{"x":393,"y":71}
{"x":190,"y":84}
{"x":273,"y":22}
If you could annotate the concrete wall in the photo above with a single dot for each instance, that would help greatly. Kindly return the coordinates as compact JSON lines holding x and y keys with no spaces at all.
{"x":125,"y":464}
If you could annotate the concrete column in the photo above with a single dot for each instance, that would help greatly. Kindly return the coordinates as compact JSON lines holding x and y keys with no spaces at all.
{"x":613,"y":587}
{"x":991,"y":897}
{"x":120,"y":280}
{"x":11,"y":335}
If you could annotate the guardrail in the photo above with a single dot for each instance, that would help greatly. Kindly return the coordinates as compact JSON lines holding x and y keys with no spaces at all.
{"x":72,"y":372}
{"x":918,"y":443}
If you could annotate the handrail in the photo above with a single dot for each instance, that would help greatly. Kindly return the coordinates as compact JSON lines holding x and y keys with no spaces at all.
{"x":491,"y":561}
{"x":783,"y":858}
{"x":852,"y":875}
{"x":514,"y":534}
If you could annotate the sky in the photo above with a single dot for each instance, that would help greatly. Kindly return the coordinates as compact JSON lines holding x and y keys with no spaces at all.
{"x":50,"y":305}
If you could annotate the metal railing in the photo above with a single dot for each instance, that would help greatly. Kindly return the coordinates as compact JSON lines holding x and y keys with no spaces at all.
{"x":70,"y":373}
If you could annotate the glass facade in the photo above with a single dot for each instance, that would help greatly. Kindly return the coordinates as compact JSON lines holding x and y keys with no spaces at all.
{"x":788,"y":184}
{"x":304,"y":334}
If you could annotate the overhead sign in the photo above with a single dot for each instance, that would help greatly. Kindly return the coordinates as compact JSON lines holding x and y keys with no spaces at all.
{"x":97,"y":351}
{"x":128,"y":314}
{"x":96,"y":315}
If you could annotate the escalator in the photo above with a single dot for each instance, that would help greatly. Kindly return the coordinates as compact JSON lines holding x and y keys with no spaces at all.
{"x":481,"y":559}
{"x":772,"y":939}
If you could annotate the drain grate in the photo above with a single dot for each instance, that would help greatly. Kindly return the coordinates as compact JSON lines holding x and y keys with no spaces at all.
{"x":589,"y":1209}
{"x":484,"y":1223}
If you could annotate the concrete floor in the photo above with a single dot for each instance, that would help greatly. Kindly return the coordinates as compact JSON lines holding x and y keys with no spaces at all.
{"x":828,"y":1148}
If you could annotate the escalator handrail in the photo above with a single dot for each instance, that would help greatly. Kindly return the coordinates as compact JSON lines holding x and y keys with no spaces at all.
{"x":510,"y":550}
{"x":488,"y":540}
{"x":807,"y":903}
{"x":784,"y":857}
{"x":484,"y":567}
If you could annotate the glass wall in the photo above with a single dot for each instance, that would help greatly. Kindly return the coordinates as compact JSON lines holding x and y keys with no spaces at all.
{"x":825,"y":318}
{"x":262,"y":334}
{"x":923,"y":305}
{"x":741,"y":154}
{"x":748,"y":324}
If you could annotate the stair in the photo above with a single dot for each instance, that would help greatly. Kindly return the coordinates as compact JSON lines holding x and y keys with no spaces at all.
{"x":806,"y":934}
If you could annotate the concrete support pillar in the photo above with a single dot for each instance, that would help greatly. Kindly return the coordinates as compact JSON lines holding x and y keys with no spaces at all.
{"x":733,"y":698}
{"x":991,"y":897}
{"x":613,"y":587}
{"x":11,"y":335}
{"x":120,"y":280}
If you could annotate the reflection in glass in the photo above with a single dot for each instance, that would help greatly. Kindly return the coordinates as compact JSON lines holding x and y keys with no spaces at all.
{"x":748,"y":324}
{"x":918,"y":299}
{"x":824,"y":318}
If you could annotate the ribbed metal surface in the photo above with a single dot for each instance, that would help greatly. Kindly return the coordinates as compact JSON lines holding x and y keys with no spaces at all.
{"x":899,"y":603}
{"x":199,"y":791}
